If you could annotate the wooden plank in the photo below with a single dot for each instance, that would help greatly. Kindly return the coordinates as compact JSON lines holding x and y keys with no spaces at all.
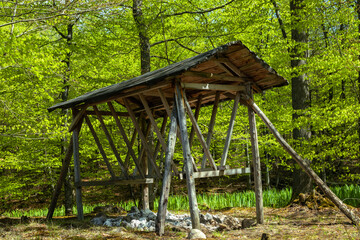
{"x":199,"y":134}
{"x":77,"y":178}
{"x":302,"y":163}
{"x":218,"y":173}
{"x":170,"y":149}
{"x":59,"y":183}
{"x":190,"y":181}
{"x":230,"y":130}
{"x":101,"y":149}
{"x":111,"y":142}
{"x":142,"y":137}
{"x":215,"y":76}
{"x":153,"y":122}
{"x":123,"y":134}
{"x":256,"y":162}
{"x":211,"y":127}
{"x":116,"y":182}
{"x":213,"y":87}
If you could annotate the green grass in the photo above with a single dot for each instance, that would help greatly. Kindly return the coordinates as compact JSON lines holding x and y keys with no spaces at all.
{"x":350,"y":194}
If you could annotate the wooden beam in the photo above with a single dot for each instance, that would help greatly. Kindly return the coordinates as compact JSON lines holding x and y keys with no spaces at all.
{"x":153,"y":122}
{"x":165,"y":102}
{"x":230,"y":130}
{"x":107,"y":113}
{"x":142,"y":137}
{"x":170,"y":149}
{"x":101,"y":149}
{"x":77,"y":119}
{"x":162,"y":130}
{"x":124,"y":94}
{"x":237,"y":71}
{"x":77,"y":178}
{"x":211,"y":127}
{"x":197,"y":112}
{"x":123,"y":134}
{"x":214,"y":76}
{"x":213,"y":87}
{"x":256,"y":162}
{"x":218,"y":173}
{"x":116,"y":182}
{"x":132,"y":141}
{"x":190,"y":181}
{"x":199,"y":134}
{"x":59,"y":183}
{"x":303,"y":164}
{"x":111,"y":142}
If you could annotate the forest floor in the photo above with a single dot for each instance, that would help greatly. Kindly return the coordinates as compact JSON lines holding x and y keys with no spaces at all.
{"x":280,"y":223}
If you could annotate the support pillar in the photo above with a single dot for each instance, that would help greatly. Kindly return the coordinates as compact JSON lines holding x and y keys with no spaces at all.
{"x":256,"y":161}
{"x":79,"y":205}
{"x":190,"y":181}
{"x":161,"y":215}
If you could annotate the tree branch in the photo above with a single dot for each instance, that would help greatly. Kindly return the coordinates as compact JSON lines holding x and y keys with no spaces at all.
{"x":199,"y":12}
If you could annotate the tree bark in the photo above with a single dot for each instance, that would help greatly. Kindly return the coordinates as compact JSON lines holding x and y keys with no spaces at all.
{"x":68,"y":187}
{"x":144,"y":41}
{"x":300,"y":92}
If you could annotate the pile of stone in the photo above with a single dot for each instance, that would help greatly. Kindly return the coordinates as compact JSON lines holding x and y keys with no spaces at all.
{"x":144,"y":220}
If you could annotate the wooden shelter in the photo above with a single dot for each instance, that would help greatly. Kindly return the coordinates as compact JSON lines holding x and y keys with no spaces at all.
{"x":229,"y":72}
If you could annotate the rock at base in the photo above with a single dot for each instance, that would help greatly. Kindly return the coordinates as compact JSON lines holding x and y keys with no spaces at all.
{"x":196,"y":234}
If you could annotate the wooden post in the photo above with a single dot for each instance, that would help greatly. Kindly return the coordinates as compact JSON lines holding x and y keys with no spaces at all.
{"x":230,"y":130}
{"x":303,"y":164}
{"x":80,"y":213}
{"x":190,"y":181}
{"x":160,"y":220}
{"x":64,"y":171}
{"x":256,"y":162}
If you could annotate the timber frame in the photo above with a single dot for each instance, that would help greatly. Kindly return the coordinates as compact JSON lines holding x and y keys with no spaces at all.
{"x":170,"y":94}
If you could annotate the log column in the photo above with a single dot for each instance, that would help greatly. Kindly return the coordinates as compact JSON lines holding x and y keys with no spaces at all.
{"x":256,"y":161}
{"x":79,"y":205}
{"x":190,"y":181}
{"x":160,"y":220}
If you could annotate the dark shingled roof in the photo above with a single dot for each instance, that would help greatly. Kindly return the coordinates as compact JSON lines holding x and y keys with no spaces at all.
{"x":178,"y":68}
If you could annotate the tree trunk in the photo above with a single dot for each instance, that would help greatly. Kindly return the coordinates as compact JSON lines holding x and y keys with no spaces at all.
{"x":300,"y":92}
{"x":147,"y":190}
{"x":358,"y":14}
{"x":68,"y":187}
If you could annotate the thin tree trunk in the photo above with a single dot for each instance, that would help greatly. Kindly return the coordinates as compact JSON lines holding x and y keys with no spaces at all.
{"x":68,"y":187}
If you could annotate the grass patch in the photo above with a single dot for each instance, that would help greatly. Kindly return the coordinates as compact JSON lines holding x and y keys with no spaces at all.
{"x":274,"y":198}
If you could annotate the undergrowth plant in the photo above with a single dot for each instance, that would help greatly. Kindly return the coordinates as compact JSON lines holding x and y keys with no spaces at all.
{"x":274,"y":198}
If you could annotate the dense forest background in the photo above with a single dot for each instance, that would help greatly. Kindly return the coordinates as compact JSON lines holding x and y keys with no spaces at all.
{"x":52,"y":51}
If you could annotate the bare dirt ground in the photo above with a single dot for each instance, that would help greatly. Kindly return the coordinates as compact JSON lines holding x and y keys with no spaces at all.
{"x":280,"y":223}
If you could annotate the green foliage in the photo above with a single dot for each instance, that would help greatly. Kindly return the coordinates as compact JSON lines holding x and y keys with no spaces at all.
{"x":104,"y":50}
